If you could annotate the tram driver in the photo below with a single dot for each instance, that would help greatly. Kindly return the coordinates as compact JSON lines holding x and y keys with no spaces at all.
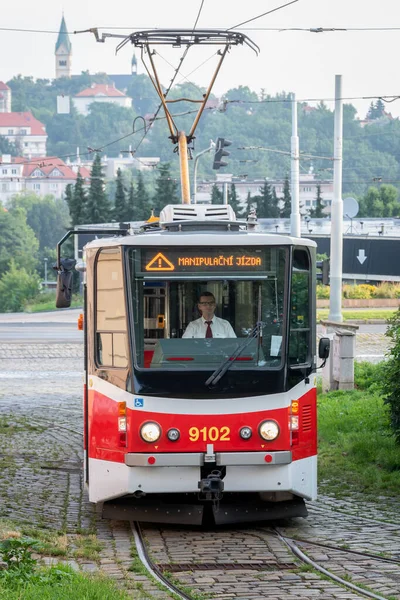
{"x":208,"y":325}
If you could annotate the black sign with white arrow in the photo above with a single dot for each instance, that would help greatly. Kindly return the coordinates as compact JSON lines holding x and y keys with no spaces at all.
{"x":366,"y":258}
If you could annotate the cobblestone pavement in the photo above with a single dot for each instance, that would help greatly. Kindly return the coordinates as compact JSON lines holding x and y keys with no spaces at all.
{"x":41,"y":485}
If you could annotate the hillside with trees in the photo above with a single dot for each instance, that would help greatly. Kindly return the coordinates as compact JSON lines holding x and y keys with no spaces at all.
{"x":371,"y":150}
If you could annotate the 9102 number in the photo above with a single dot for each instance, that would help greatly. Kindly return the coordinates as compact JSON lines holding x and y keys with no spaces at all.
{"x":209,"y":434}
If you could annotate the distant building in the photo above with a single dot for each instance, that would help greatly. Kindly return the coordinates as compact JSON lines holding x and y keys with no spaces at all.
{"x":63,"y":52}
{"x":100,"y":92}
{"x":308,"y":189}
{"x":123,"y":81}
{"x":43,"y":176}
{"x":5,"y":98}
{"x":11,"y":177}
{"x":112,"y":165}
{"x":26,"y":132}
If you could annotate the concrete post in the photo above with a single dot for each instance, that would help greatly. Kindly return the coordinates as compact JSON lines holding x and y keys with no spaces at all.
{"x":338,"y":373}
{"x":335,"y":309}
{"x":344,"y":345}
{"x":294,"y":175}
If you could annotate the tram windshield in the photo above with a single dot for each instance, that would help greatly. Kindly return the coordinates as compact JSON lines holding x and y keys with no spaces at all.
{"x":193,"y":309}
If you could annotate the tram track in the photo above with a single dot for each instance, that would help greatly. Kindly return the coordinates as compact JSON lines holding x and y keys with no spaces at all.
{"x":260,"y":567}
{"x":150,"y":566}
{"x":345,"y":550}
{"x":294,"y":548}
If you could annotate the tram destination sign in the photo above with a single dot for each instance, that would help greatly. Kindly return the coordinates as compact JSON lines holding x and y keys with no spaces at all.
{"x":180,"y":260}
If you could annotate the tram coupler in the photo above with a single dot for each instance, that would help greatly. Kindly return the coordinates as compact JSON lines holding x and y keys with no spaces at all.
{"x":212,"y":486}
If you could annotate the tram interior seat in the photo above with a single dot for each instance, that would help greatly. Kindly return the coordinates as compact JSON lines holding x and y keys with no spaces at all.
{"x":202,"y":352}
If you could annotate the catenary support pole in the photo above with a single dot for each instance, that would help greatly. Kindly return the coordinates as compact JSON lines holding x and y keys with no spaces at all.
{"x":225,"y":191}
{"x":335,"y":310}
{"x":294,"y":180}
{"x":184,"y":161}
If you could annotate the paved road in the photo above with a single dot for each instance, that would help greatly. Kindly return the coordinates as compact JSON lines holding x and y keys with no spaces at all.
{"x":40,"y":333}
{"x":41,"y":484}
{"x":57,"y":327}
{"x":60,"y":327}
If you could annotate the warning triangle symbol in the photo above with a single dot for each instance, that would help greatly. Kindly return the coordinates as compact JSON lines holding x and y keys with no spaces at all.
{"x":160,"y":263}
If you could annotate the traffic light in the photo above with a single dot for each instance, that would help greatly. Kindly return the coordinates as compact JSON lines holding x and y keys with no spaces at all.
{"x":323,"y":268}
{"x":220,"y":152}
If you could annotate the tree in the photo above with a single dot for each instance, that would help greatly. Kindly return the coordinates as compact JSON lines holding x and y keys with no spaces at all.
{"x":250,"y":203}
{"x":97,"y":209}
{"x":142,"y":208}
{"x":391,"y":374}
{"x":234,"y":201}
{"x":267,"y":203}
{"x":17,"y":241}
{"x":317,"y":212}
{"x":77,"y":202}
{"x":216,"y":195}
{"x":287,"y":200}
{"x":47,"y":216}
{"x":166,"y":189}
{"x":376,"y":111}
{"x":69,"y":195}
{"x":17,"y":286}
{"x":7,"y":147}
{"x":380,"y":202}
{"x":122,"y":209}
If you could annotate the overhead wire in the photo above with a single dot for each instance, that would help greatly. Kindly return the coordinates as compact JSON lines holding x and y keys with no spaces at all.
{"x":171,"y":83}
{"x":198,"y":15}
{"x":262,"y":15}
{"x":271,"y":29}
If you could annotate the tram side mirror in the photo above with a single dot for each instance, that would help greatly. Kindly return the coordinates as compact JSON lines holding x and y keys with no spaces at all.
{"x":64,"y":282}
{"x":324,"y":348}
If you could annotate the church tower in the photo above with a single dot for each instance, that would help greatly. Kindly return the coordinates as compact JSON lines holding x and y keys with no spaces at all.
{"x":63,"y":52}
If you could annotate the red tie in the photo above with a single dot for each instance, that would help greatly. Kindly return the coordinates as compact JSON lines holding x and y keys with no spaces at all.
{"x":208,"y":332}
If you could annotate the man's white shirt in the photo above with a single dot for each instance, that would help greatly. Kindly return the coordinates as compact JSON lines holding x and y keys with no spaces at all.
{"x":219,"y":327}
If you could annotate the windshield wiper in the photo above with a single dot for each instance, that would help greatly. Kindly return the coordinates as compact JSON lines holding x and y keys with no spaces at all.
{"x":229,"y":361}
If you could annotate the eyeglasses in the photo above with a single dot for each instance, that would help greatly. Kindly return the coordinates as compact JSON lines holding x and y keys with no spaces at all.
{"x":206,"y":303}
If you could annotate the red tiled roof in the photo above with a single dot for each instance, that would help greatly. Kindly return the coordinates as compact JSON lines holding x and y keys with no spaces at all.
{"x":22,"y":119}
{"x":100,"y":89}
{"x":47,"y":165}
{"x":85,"y":173}
{"x":3,"y":86}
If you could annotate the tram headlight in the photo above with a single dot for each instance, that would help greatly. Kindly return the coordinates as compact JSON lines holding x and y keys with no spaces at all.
{"x":245,"y":433}
{"x":173,"y":435}
{"x":269,"y":430}
{"x":150,"y":432}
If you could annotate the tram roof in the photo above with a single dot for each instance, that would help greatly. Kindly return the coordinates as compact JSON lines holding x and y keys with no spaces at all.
{"x":205,"y":238}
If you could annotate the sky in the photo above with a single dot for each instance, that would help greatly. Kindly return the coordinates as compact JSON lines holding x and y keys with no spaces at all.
{"x":301,"y":62}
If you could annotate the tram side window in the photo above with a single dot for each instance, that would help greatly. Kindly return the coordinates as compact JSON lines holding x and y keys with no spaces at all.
{"x":299,"y":339}
{"x":111,"y":333}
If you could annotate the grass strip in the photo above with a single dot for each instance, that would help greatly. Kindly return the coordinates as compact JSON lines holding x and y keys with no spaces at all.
{"x":60,"y":583}
{"x":357,"y":447}
{"x":355,"y":315}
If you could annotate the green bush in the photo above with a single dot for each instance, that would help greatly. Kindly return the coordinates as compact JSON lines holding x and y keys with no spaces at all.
{"x":368,"y":376}
{"x":363,"y":291}
{"x":387,"y":290}
{"x":391,"y":374}
{"x":16,"y":287}
{"x":323,"y":292}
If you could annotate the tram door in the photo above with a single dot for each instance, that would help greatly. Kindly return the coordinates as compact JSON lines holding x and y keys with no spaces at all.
{"x":155,"y":318}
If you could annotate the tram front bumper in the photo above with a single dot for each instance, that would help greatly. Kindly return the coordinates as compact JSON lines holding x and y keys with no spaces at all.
{"x":179,"y":473}
{"x":197,"y":459}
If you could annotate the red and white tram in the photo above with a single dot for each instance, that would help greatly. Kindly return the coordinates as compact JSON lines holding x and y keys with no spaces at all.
{"x":174,"y":425}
